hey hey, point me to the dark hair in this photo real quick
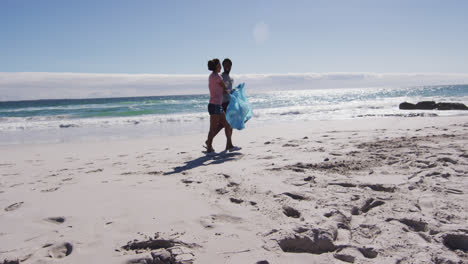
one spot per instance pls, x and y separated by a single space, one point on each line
212 64
228 61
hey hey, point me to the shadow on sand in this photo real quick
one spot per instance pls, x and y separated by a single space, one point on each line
217 158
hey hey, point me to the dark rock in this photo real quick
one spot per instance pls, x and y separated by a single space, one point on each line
451 106
431 105
407 106
426 105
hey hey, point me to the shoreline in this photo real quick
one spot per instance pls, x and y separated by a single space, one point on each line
375 190
71 133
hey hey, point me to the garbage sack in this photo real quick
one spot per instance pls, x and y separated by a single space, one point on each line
239 110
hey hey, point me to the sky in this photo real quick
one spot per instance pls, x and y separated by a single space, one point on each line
111 37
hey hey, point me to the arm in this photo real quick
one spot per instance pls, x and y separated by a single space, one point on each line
221 82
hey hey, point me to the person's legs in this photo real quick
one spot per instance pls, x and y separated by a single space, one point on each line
220 124
228 128
227 131
218 128
214 121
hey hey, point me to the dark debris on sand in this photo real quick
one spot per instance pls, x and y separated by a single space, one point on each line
162 251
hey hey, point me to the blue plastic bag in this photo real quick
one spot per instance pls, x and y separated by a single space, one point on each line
239 110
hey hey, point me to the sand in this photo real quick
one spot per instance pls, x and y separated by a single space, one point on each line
389 190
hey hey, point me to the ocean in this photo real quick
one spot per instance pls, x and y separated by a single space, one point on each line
94 119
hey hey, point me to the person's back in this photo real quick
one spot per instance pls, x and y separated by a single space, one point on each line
216 90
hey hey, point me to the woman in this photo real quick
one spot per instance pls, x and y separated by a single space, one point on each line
215 108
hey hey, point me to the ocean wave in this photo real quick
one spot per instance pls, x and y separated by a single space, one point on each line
400 115
291 113
44 123
67 125
267 107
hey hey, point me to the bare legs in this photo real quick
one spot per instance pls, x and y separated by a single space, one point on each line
214 120
219 128
227 130
217 122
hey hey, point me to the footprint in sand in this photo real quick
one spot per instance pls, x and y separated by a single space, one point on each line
379 187
94 171
209 221
306 240
296 196
56 220
456 241
368 252
453 191
368 205
233 184
6 261
290 145
371 203
13 207
51 189
236 201
187 181
61 250
340 219
367 232
291 212
413 224
221 191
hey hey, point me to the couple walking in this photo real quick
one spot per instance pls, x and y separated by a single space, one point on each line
220 89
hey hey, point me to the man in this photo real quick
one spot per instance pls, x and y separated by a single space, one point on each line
228 82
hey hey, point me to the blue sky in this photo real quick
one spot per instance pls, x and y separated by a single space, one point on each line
178 37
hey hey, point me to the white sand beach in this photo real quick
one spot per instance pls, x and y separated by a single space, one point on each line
387 190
